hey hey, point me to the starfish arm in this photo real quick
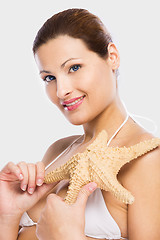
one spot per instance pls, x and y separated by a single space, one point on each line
121 156
80 177
75 186
118 190
106 179
62 172
56 175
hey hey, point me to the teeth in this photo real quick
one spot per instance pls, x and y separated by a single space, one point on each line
70 104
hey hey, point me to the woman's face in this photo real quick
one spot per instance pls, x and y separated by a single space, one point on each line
73 73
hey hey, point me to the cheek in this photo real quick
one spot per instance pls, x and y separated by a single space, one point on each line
88 81
51 93
97 80
104 86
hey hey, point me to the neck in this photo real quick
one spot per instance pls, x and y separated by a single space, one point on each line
110 120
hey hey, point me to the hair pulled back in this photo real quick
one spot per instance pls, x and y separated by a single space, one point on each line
76 23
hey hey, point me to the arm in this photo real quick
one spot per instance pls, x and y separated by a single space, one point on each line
144 182
9 227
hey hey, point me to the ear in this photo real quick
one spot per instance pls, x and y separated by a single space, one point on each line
113 56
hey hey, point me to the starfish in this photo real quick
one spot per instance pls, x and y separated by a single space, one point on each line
100 164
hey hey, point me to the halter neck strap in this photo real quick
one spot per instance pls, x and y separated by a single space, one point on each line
118 129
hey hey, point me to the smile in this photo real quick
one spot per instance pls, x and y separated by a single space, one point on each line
70 104
74 105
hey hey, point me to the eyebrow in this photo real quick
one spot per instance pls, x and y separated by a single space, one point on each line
63 64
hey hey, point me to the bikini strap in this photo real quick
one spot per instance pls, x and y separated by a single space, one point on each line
134 116
62 152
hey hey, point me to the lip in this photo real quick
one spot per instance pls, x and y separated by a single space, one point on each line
75 106
71 100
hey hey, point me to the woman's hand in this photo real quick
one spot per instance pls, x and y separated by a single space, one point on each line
21 186
62 221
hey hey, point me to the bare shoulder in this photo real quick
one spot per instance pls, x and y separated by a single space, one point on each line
146 164
57 148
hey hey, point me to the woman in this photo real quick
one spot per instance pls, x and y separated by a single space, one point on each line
78 63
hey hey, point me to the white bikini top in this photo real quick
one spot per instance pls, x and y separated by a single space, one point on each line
98 221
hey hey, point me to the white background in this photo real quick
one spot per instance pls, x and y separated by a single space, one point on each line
29 122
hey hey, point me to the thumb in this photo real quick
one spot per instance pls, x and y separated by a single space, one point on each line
84 193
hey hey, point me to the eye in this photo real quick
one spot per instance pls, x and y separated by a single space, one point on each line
49 78
74 68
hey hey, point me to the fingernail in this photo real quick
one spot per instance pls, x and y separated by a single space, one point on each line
20 176
39 182
24 187
31 190
92 186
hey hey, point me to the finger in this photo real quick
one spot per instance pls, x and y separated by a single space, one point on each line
53 201
45 189
52 198
31 177
24 170
40 172
14 169
84 193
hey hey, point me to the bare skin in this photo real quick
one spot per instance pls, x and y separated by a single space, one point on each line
118 210
102 108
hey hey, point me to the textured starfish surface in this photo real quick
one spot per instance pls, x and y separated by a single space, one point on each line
101 164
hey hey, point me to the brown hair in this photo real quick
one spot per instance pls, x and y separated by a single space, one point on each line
76 23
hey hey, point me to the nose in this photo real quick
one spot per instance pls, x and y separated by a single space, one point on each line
64 87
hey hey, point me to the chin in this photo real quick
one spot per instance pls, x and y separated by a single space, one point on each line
77 122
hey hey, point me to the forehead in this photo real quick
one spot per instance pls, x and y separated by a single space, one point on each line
63 45
61 48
